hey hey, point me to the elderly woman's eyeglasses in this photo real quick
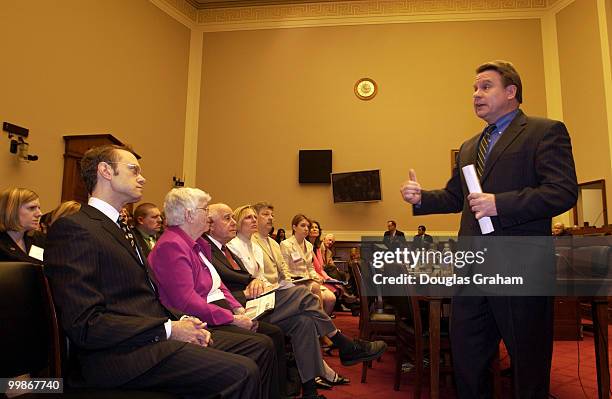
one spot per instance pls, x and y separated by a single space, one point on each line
205 209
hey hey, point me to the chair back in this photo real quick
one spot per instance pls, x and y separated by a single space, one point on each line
364 303
28 327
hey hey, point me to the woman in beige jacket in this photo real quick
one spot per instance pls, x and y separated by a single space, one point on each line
298 254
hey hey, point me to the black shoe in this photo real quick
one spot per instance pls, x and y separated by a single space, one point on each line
313 397
362 351
338 380
322 383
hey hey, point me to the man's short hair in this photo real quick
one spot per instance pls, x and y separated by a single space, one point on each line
392 222
10 201
95 155
260 206
421 227
508 73
142 210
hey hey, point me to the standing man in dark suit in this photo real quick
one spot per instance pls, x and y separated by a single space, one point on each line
109 305
393 237
527 174
422 239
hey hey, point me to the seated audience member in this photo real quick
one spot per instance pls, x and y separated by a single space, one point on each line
66 208
422 239
394 238
20 214
298 254
189 283
276 269
241 245
558 230
329 292
147 224
327 252
296 310
109 307
327 256
252 258
44 223
280 235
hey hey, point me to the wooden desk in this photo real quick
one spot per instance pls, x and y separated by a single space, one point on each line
599 306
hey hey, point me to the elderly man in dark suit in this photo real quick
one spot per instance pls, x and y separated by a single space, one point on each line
526 169
109 305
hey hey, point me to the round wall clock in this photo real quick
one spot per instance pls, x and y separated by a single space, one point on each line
366 89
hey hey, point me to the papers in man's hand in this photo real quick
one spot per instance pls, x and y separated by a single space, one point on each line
473 184
259 307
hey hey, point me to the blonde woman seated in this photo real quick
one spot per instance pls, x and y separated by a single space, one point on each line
19 221
298 254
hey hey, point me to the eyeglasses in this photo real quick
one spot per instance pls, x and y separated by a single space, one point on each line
136 170
205 209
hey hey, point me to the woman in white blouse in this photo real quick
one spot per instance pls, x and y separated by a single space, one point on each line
250 255
298 254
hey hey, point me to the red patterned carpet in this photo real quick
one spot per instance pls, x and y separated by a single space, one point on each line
565 379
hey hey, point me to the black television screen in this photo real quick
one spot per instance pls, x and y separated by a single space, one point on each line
356 186
315 166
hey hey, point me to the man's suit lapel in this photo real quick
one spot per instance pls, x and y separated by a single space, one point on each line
220 257
112 228
515 128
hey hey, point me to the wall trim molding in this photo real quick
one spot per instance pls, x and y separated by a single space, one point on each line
180 10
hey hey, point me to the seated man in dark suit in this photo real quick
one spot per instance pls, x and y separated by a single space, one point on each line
296 311
393 237
147 224
109 305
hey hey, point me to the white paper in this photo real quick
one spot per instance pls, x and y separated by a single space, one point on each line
256 307
473 184
36 252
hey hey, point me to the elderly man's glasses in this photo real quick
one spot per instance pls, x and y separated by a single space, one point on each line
136 170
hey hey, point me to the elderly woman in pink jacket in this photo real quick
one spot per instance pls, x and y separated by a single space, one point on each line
188 281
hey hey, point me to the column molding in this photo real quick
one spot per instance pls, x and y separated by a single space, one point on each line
192 112
552 74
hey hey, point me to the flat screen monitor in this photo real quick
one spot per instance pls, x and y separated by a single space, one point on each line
363 186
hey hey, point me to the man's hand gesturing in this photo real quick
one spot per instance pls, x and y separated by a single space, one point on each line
411 189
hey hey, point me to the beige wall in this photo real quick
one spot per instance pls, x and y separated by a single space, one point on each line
268 93
86 66
584 106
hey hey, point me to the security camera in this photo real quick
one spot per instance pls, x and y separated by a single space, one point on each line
18 146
